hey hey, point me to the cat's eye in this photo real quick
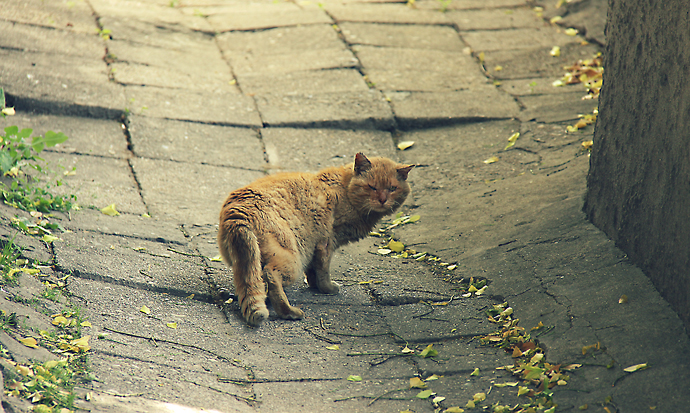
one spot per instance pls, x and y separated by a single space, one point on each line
372 187
393 188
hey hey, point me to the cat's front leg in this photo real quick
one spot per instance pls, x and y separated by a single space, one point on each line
318 273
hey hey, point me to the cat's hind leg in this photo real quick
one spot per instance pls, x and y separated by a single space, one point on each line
282 267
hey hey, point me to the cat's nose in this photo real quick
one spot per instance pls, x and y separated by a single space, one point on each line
383 196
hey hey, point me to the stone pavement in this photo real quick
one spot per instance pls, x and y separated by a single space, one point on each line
169 105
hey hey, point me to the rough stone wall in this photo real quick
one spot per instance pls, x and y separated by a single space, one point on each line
639 179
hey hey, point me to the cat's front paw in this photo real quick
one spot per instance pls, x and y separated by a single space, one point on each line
329 288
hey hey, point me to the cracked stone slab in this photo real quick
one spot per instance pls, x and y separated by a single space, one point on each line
469 4
496 19
87 136
157 14
97 181
536 86
361 110
181 141
422 37
188 192
26 37
125 225
414 109
462 357
32 248
259 16
311 150
398 13
201 67
135 263
404 69
292 62
353 397
192 105
308 82
423 323
515 39
155 34
281 40
443 167
71 85
76 16
562 107
521 64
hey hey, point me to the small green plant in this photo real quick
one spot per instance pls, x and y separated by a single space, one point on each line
8 259
18 149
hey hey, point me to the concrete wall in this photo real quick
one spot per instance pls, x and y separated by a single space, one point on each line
639 179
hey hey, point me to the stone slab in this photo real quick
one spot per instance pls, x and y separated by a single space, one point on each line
72 16
257 17
366 110
425 37
87 136
291 62
422 323
422 108
534 86
303 82
97 181
310 150
469 4
157 14
59 83
196 142
522 64
125 225
442 168
496 19
152 33
280 40
398 13
27 37
198 106
143 356
562 107
187 192
403 69
515 39
31 248
134 263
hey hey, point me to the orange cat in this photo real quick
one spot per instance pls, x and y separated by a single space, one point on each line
282 226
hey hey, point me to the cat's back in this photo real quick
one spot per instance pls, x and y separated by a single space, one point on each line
286 193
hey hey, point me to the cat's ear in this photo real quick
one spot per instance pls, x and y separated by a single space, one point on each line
402 172
362 164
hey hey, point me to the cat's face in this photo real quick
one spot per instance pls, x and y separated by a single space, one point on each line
379 185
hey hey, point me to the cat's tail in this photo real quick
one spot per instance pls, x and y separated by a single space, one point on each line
239 248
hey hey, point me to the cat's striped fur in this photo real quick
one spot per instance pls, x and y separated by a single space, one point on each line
282 226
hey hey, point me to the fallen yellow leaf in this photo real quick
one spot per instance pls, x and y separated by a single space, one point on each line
82 343
171 325
405 145
144 309
491 160
417 383
110 210
635 368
